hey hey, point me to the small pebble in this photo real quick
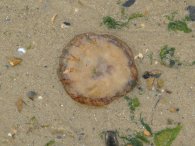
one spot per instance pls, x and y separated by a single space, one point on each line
7 18
21 51
156 62
76 10
128 3
9 134
40 97
31 95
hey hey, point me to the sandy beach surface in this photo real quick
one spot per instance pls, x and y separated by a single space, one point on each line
52 115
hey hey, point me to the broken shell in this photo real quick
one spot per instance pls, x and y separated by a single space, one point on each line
21 51
15 61
139 56
104 69
147 133
160 83
150 83
173 110
19 104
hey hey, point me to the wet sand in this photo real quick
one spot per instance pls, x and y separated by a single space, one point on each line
29 22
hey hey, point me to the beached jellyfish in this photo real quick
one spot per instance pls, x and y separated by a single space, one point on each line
97 69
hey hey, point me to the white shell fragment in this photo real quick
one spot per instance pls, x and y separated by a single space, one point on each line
21 51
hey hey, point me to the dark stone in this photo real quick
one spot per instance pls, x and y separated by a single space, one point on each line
66 23
31 94
128 3
146 75
191 10
111 138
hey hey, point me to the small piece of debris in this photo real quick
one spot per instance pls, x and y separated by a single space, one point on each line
173 109
33 124
31 95
168 91
15 61
19 104
21 51
53 18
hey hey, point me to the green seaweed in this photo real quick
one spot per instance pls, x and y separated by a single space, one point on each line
179 25
135 15
167 136
193 62
133 103
167 56
145 125
112 23
171 17
142 137
50 143
166 51
150 56
134 141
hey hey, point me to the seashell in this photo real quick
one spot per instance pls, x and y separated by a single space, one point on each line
97 69
15 61
21 51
